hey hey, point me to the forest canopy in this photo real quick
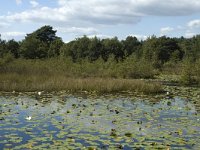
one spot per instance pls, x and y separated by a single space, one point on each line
44 43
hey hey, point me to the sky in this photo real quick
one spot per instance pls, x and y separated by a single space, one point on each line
101 18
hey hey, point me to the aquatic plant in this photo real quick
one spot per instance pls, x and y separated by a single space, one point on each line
28 118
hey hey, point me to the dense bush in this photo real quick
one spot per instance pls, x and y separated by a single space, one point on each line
197 71
191 72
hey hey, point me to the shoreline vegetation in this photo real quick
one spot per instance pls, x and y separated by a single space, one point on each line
57 75
91 85
43 62
54 75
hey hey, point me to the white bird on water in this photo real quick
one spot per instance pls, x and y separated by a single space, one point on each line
28 118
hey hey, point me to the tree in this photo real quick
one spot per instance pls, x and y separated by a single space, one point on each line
195 51
38 43
166 47
54 49
131 45
45 34
149 50
160 50
94 48
13 48
3 48
32 48
78 49
112 46
66 50
82 47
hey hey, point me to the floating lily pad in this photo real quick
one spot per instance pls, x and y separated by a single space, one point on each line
95 122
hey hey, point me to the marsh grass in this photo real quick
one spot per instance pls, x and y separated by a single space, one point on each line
63 74
23 83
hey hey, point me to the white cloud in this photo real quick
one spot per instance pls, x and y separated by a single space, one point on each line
39 15
2 24
180 27
194 24
18 2
101 36
76 12
192 28
189 34
140 37
166 30
34 3
11 35
78 30
88 17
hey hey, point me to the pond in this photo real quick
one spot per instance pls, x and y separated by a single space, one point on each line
65 121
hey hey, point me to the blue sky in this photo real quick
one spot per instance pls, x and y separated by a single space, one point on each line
101 18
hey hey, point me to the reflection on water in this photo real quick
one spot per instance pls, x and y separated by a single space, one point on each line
103 122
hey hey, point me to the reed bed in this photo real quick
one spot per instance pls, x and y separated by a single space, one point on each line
62 74
29 83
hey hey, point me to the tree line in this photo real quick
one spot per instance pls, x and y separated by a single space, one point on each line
44 43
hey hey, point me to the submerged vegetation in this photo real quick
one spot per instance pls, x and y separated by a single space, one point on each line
42 61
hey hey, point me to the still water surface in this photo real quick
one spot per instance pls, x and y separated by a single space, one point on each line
102 122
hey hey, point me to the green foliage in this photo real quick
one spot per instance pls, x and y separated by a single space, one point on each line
33 48
13 48
43 43
10 46
55 46
65 50
191 72
112 46
3 48
197 71
149 48
94 48
161 50
77 49
191 47
40 44
45 34
130 68
80 48
62 74
136 68
187 72
7 58
196 47
131 45
104 58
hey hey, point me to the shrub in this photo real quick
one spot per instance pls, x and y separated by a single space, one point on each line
187 77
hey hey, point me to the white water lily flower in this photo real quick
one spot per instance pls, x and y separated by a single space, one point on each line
28 118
